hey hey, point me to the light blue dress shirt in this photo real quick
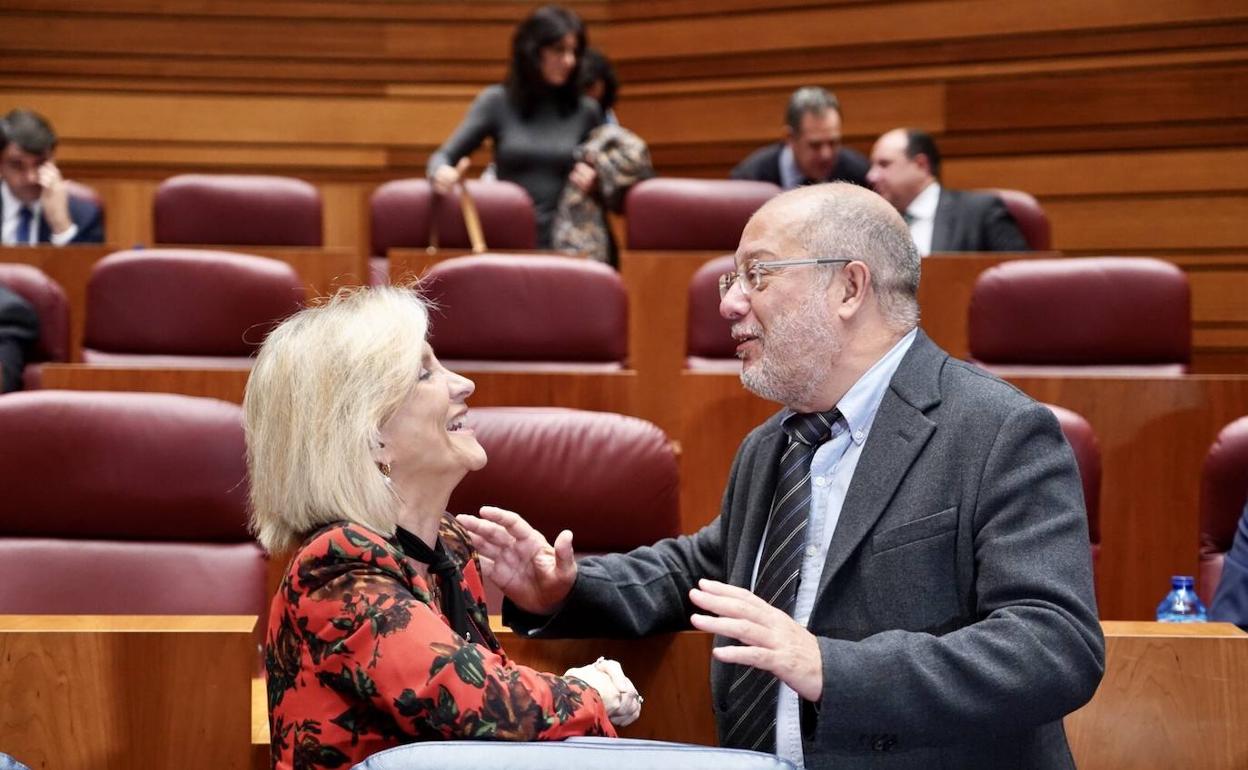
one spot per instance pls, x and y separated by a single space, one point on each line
831 470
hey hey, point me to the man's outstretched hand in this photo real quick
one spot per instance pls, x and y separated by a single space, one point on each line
532 573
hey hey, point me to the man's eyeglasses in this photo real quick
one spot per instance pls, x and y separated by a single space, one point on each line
754 276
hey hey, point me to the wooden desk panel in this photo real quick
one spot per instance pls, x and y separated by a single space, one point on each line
92 692
1153 434
1173 696
225 384
322 271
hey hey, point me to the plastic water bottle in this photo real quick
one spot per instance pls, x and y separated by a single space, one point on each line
1181 605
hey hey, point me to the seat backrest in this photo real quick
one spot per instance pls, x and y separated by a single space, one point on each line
125 503
1087 451
1030 216
708 334
401 211
1096 311
517 307
50 304
1223 492
581 753
611 479
691 214
237 210
186 302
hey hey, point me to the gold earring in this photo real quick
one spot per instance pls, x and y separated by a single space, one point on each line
384 468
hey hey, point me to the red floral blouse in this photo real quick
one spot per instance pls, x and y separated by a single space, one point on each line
359 658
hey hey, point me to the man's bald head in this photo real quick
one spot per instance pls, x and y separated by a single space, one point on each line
847 221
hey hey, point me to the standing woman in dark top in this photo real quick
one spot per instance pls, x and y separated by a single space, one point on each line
536 118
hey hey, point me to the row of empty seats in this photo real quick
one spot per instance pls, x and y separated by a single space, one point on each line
663 213
203 308
610 478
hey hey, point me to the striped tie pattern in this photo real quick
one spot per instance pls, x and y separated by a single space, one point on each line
750 720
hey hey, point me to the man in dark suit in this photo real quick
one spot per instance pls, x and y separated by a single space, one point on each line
924 555
811 150
905 170
19 327
35 204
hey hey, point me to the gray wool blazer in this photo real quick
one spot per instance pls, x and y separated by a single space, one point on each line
955 614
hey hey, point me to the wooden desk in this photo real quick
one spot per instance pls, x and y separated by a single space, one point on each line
1173 696
99 692
322 270
1153 433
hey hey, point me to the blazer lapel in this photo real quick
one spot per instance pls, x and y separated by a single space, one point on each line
945 224
899 432
757 508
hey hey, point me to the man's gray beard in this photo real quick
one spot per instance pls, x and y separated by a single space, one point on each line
798 356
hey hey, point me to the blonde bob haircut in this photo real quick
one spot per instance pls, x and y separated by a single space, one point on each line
324 382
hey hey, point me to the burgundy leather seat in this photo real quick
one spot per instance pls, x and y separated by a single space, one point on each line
708 344
52 307
1223 492
611 479
1094 315
402 211
1031 219
125 503
182 307
1087 451
532 311
691 214
237 210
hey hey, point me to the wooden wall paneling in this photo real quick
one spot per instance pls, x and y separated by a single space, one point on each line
225 384
92 692
1187 222
1154 434
658 296
1172 697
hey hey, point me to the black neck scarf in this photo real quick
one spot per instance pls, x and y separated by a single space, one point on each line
454 603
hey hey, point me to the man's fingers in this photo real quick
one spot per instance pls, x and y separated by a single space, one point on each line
564 554
744 631
754 657
486 535
748 607
513 522
463 165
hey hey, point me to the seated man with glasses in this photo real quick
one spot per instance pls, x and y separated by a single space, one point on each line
901 561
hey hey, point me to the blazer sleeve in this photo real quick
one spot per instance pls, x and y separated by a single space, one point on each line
90 221
377 640
1230 601
1035 651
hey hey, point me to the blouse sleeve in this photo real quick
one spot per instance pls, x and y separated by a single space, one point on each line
480 122
375 640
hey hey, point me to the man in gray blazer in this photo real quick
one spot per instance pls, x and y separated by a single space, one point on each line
905 170
935 606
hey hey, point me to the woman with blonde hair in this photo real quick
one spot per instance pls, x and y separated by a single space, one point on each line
378 635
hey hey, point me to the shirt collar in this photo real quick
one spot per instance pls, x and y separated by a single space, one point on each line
790 175
861 402
924 204
11 204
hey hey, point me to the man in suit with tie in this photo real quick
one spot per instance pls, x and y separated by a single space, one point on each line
811 150
900 573
905 170
35 204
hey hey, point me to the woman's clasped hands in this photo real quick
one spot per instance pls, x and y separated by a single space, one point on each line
619 695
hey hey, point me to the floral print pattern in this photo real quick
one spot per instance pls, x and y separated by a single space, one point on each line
359 657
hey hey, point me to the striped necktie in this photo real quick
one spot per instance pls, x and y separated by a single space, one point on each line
751 716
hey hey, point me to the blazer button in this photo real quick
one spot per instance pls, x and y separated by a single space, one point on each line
884 743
